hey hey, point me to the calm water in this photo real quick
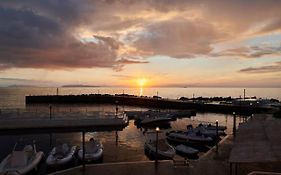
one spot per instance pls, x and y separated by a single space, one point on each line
129 146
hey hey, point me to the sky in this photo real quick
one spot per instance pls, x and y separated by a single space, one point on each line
151 43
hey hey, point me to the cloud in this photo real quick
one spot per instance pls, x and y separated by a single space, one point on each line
276 67
52 34
250 52
178 38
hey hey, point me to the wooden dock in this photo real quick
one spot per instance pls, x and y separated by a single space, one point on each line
31 126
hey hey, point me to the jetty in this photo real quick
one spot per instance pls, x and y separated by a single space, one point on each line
151 102
31 126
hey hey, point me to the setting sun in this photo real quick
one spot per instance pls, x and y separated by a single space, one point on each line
141 82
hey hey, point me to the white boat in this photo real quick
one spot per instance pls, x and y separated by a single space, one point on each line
93 151
189 138
61 155
21 162
164 151
186 150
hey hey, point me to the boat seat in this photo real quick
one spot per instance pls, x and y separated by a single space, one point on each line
180 161
18 159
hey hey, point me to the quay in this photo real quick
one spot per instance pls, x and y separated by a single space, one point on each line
257 146
152 102
14 127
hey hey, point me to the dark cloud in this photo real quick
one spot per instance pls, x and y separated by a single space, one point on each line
28 40
263 69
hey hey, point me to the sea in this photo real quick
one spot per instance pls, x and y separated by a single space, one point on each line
129 145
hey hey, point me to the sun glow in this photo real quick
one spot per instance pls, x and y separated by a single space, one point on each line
141 82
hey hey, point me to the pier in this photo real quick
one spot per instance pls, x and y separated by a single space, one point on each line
14 127
152 102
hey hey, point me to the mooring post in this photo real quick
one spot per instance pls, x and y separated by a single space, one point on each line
234 124
83 140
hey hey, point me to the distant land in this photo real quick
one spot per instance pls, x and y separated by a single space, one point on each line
79 85
21 85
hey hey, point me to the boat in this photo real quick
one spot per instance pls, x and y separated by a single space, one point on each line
164 150
212 127
155 121
93 151
208 132
61 155
186 150
21 162
188 138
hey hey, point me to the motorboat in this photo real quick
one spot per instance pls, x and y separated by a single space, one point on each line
155 121
186 150
188 138
164 150
212 127
21 162
61 155
209 133
93 151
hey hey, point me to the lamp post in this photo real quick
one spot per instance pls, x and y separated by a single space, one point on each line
116 108
156 145
234 124
217 135
50 112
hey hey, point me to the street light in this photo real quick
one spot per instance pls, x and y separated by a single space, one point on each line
217 135
156 145
234 124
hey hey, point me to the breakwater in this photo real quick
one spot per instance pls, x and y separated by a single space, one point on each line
151 102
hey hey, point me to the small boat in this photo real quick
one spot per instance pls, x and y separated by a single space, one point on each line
21 162
61 155
189 138
212 127
93 151
209 133
186 150
155 121
164 150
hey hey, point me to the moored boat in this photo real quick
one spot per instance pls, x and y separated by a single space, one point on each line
61 155
164 150
93 151
21 162
186 150
188 138
156 121
212 127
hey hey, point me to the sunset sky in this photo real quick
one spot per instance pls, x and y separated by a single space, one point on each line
171 43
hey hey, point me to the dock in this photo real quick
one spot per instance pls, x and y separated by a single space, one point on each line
257 146
150 102
13 127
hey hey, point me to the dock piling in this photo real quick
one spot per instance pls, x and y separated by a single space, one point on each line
234 124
